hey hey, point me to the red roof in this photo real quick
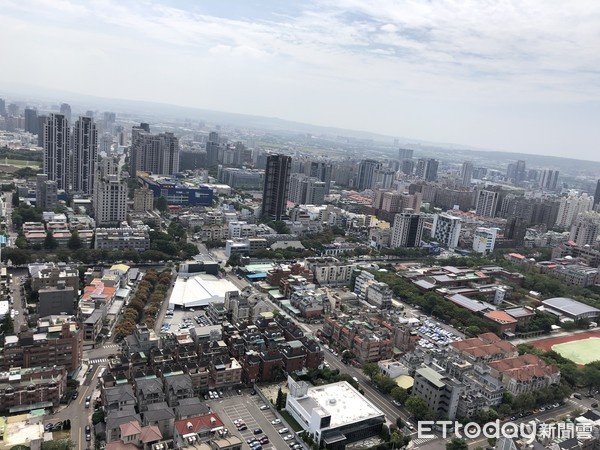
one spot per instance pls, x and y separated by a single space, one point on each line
196 424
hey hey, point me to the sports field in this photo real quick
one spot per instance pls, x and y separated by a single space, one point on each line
580 352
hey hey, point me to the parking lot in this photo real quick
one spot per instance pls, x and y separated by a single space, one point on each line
184 319
247 408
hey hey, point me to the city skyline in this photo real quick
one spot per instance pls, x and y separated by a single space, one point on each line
500 76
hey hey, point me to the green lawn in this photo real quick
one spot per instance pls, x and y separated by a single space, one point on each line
21 163
581 352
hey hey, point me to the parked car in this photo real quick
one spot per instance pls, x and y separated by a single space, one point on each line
258 431
276 422
264 440
88 400
283 430
263 407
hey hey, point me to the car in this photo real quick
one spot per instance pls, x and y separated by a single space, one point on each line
257 431
239 392
263 407
253 393
396 403
410 426
287 438
594 405
58 424
242 427
88 400
256 446
251 440
276 422
264 440
205 396
283 430
75 395
48 427
296 446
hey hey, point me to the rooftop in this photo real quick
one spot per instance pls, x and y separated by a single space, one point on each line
569 306
200 290
344 403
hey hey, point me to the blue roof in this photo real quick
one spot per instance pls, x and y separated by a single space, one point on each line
256 275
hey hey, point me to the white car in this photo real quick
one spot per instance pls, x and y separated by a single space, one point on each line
263 407
287 438
283 430
276 421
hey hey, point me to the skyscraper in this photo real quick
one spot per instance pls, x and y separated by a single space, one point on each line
549 179
366 169
56 150
110 195
2 107
65 110
516 171
405 153
446 229
85 154
277 181
322 171
486 203
466 173
305 190
31 124
427 169
585 229
407 230
155 153
597 194
212 150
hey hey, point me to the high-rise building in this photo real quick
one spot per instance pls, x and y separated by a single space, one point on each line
516 172
212 150
486 203
366 170
549 179
65 110
45 193
306 190
155 153
2 107
570 207
383 178
143 200
13 110
110 195
40 127
407 166
427 169
466 173
405 153
597 195
31 124
276 188
484 240
446 229
322 171
407 230
56 150
85 154
585 229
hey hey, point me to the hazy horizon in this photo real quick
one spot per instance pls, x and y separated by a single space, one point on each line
512 77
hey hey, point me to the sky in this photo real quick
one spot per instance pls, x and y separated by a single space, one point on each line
521 76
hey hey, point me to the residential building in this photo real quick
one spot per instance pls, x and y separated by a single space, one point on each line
549 179
143 200
405 153
322 171
85 155
137 239
154 153
441 392
427 169
446 230
366 172
577 275
56 144
276 187
26 389
148 391
525 374
586 229
51 275
329 271
407 230
596 196
466 173
46 194
484 240
56 300
570 207
31 123
177 386
110 195
56 341
486 203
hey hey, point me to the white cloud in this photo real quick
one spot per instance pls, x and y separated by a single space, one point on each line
374 57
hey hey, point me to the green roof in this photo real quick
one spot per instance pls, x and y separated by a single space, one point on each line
432 376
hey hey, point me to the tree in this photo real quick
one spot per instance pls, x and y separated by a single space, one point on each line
16 201
279 400
74 241
399 394
7 325
161 204
418 408
385 433
21 241
50 243
234 260
457 444
370 370
98 417
399 423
